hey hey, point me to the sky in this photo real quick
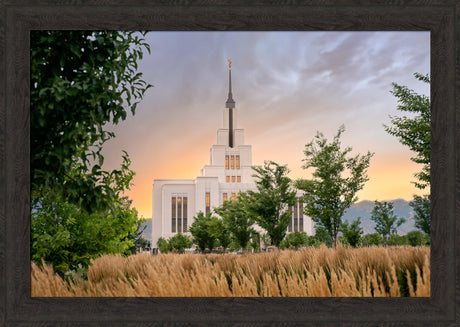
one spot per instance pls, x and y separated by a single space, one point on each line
287 86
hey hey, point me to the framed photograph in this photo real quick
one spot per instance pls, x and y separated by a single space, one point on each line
285 57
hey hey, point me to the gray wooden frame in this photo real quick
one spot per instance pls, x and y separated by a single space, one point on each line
18 18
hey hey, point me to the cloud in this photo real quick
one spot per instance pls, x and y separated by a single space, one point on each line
287 85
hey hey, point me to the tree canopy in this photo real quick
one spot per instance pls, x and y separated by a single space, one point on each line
336 180
270 204
352 232
237 221
422 212
414 132
386 222
80 82
204 231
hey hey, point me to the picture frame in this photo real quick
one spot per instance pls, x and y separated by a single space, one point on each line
18 308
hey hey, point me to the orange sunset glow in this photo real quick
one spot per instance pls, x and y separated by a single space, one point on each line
287 86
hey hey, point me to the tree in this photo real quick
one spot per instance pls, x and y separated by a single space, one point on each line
201 229
372 239
68 237
386 222
180 242
137 237
269 205
417 238
352 233
336 180
295 240
163 245
237 221
396 239
80 82
322 235
414 132
220 231
422 213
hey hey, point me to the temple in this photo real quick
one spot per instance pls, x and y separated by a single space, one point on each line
176 201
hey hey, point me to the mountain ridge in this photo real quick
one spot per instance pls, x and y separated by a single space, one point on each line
363 209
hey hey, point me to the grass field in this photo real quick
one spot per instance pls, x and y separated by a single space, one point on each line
309 272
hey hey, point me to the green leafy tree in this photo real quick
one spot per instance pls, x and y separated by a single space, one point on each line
237 221
414 132
269 205
352 233
322 235
386 222
68 237
163 245
255 241
396 239
417 238
204 235
220 231
336 180
80 82
294 240
372 239
422 213
179 243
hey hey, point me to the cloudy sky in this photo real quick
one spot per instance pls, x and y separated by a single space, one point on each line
287 86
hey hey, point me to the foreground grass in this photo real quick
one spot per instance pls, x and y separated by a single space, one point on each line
309 272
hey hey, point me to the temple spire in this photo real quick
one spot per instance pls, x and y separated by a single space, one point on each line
230 102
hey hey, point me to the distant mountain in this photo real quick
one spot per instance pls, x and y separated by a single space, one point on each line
147 233
363 209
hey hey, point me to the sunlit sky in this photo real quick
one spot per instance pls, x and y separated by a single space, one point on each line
287 86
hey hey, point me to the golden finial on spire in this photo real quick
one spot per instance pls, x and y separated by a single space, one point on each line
229 64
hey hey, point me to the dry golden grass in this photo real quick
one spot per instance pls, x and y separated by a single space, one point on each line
309 272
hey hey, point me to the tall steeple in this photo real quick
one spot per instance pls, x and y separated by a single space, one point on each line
230 104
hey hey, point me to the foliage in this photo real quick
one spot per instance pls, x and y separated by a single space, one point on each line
269 205
396 239
80 82
417 238
352 233
372 239
386 221
179 243
68 237
255 241
237 221
163 245
265 239
312 240
336 180
137 237
294 240
422 212
220 231
414 132
322 235
203 231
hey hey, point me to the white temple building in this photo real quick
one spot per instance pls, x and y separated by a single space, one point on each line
176 201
